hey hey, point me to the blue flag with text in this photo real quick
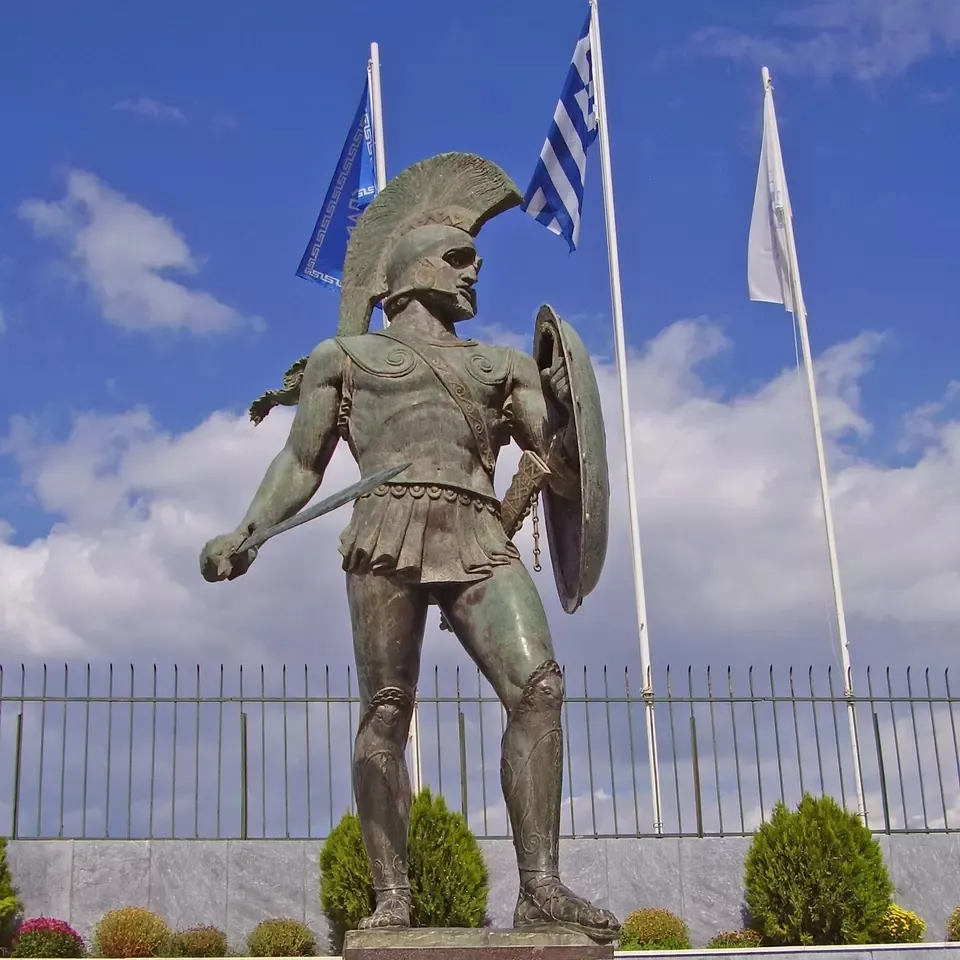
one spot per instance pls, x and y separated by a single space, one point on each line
353 186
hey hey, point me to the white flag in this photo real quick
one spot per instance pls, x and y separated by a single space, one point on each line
768 268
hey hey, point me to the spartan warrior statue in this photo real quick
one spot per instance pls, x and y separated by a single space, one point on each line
418 397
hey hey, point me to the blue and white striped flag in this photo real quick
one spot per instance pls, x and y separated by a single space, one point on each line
555 195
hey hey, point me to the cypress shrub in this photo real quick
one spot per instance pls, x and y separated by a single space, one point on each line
10 906
816 876
449 882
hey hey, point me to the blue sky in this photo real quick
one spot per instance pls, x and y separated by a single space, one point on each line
266 98
220 125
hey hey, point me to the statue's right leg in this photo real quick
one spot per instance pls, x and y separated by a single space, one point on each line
388 620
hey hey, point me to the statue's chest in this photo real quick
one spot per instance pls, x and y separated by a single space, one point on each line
386 374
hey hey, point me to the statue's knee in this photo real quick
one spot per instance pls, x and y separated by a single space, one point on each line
544 689
387 716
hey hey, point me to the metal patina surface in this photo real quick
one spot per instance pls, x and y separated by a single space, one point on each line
417 393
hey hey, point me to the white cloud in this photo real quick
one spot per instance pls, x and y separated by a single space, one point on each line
866 39
122 251
731 528
148 107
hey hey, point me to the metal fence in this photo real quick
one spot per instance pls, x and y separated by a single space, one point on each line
217 752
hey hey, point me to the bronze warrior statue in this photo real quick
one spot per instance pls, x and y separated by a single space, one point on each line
436 534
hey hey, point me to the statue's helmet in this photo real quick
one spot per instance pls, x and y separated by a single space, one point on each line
417 238
437 263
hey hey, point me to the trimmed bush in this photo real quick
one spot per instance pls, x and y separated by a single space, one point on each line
449 882
10 906
448 876
953 926
816 876
735 940
346 886
653 928
47 937
900 926
281 938
199 941
131 932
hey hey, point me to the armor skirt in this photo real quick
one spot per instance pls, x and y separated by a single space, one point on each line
426 534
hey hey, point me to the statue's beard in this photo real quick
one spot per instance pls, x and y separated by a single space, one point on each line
451 306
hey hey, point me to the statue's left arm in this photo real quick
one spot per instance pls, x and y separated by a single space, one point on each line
538 406
540 416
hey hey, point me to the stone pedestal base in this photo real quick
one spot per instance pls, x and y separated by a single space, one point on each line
530 943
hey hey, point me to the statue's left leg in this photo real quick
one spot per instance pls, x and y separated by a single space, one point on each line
502 625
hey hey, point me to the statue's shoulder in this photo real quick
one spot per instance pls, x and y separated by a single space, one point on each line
376 355
490 363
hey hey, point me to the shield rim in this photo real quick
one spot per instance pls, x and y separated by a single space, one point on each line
592 532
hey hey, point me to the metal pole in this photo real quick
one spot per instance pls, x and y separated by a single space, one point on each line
800 312
613 258
376 120
17 764
380 171
244 811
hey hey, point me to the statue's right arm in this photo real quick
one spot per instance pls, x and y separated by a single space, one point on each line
297 470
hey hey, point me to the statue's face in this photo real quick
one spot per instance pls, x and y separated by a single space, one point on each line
439 264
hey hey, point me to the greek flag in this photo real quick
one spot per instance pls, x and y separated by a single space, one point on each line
555 195
353 186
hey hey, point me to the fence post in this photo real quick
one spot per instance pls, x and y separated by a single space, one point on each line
695 758
17 762
243 776
883 774
463 762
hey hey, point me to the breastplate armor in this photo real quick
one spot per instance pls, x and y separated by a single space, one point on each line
398 410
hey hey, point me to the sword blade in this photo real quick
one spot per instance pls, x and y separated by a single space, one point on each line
358 489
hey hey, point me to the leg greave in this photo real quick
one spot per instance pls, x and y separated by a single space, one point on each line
531 772
382 787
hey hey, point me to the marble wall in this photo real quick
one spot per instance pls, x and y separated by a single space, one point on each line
236 883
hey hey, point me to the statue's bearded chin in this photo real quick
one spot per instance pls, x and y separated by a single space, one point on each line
451 306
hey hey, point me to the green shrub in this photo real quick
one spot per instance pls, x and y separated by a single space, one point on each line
448 876
281 938
346 887
653 928
47 937
953 926
10 906
816 876
900 926
131 932
735 940
199 941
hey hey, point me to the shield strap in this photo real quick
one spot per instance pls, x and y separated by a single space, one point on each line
459 393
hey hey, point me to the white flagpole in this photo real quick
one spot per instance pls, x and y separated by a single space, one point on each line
785 215
380 165
376 108
613 258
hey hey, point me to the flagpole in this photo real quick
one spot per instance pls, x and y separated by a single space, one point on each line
800 312
376 108
613 258
380 172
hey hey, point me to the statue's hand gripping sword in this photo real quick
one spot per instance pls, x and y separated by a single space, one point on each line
362 487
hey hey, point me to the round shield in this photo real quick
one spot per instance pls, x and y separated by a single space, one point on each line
577 525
